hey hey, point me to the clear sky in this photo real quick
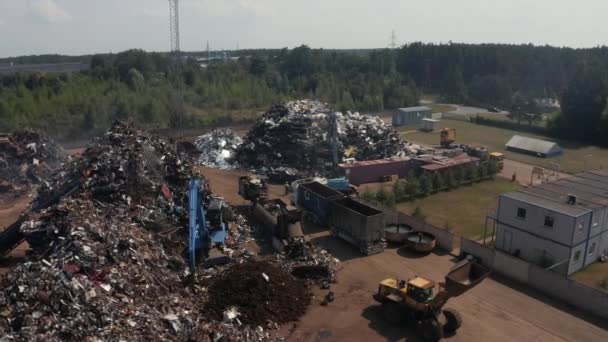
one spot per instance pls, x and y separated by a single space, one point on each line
90 26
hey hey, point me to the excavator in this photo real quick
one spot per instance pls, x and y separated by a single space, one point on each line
420 301
206 223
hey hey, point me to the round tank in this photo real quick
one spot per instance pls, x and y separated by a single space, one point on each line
422 242
396 233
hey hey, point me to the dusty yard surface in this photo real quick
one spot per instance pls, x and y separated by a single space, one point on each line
225 184
523 173
493 311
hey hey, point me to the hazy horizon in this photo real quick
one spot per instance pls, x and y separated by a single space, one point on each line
70 27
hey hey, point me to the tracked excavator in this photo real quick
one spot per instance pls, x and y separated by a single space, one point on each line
420 301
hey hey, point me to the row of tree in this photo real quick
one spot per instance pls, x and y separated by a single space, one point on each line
160 90
413 186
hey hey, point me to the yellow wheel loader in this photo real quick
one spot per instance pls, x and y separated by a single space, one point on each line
420 301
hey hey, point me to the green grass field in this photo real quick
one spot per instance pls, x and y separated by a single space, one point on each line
463 209
595 275
576 157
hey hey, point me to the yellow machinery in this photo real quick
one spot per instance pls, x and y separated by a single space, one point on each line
447 137
420 301
499 158
350 152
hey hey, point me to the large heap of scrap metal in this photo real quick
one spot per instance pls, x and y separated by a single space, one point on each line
27 158
217 148
98 268
296 136
107 260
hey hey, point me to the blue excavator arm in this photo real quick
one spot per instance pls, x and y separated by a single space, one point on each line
206 224
199 238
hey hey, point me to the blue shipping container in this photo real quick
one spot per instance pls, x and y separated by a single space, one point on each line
315 198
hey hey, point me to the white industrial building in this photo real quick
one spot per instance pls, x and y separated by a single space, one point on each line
562 225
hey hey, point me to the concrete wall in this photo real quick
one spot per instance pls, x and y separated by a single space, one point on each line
444 238
548 282
485 254
561 232
511 267
576 294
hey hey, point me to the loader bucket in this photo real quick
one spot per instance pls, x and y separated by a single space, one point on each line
465 276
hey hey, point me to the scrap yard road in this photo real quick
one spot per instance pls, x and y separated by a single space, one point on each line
496 310
493 311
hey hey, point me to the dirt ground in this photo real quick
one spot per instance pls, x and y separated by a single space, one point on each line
493 311
496 310
225 184
523 173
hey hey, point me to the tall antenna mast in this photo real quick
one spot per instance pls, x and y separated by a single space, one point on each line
393 40
174 24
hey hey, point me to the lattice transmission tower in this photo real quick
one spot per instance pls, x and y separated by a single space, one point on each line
174 24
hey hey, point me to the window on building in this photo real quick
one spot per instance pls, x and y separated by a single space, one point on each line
592 248
577 256
521 213
580 227
549 221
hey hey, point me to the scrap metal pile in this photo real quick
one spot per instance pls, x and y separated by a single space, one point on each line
295 135
27 158
108 260
292 139
217 148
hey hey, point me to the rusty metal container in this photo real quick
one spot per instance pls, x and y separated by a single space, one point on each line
372 171
421 242
396 233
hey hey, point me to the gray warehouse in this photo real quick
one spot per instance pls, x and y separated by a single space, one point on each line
532 146
561 224
411 115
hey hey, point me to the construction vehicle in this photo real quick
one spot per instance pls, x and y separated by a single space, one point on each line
447 137
206 224
252 188
420 301
499 158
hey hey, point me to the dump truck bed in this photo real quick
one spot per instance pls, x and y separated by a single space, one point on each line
358 223
464 276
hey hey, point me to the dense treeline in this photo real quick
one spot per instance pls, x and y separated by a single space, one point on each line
158 90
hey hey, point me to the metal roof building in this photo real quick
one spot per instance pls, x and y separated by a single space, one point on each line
411 115
562 223
536 147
